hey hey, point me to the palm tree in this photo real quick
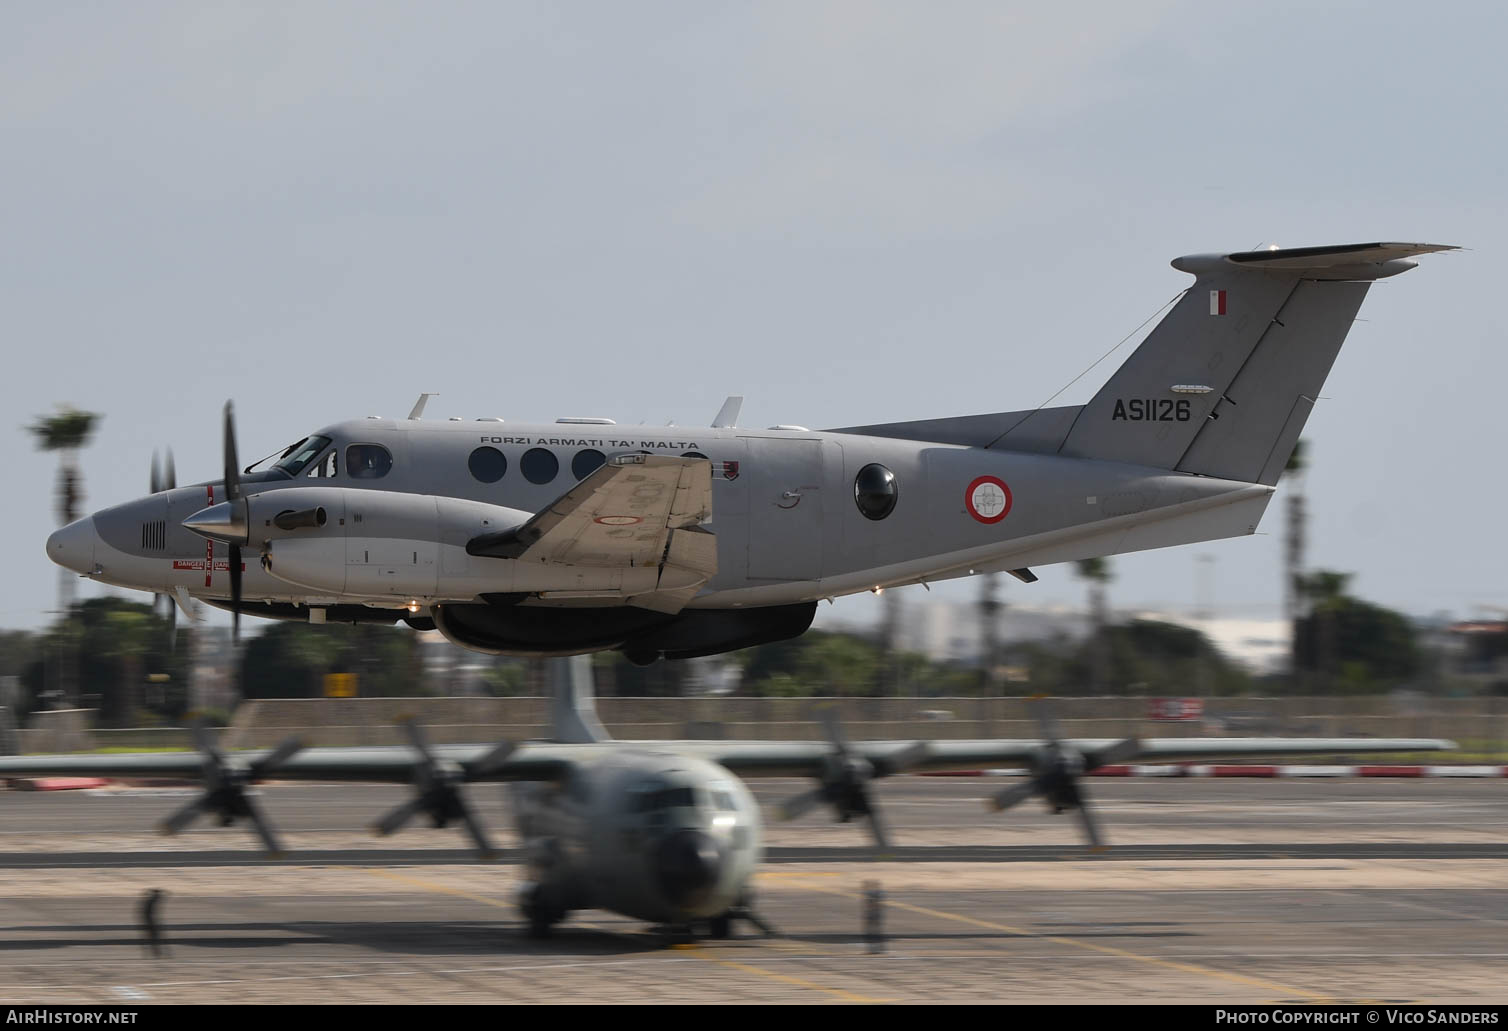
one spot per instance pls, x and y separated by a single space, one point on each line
1097 572
66 433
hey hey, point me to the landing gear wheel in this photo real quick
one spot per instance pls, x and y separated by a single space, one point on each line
542 916
720 926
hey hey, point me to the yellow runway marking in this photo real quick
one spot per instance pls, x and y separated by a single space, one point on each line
695 950
419 882
700 953
1109 950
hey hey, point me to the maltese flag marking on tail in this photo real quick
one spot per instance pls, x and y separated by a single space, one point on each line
1217 302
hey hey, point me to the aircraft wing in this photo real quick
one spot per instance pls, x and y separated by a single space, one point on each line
636 511
549 761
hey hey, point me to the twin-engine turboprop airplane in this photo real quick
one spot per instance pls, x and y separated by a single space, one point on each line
664 831
676 542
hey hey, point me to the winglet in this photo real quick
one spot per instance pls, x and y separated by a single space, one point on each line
727 415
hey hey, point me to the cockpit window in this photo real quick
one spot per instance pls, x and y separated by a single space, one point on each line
368 461
326 467
298 455
672 798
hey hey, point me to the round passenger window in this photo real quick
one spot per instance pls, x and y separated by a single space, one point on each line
539 465
692 454
586 462
368 461
874 491
487 464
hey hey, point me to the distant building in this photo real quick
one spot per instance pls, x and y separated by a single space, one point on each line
951 632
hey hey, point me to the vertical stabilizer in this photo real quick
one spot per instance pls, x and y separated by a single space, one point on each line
1222 386
573 702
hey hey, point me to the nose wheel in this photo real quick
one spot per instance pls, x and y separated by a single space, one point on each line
541 911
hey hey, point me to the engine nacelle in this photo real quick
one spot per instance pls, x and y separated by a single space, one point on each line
368 543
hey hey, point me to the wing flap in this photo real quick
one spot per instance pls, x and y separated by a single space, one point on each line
635 512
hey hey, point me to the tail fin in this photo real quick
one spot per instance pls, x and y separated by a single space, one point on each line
1224 383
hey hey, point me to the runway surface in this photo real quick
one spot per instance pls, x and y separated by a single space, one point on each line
1262 891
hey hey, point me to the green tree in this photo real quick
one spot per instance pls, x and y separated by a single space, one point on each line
290 660
1351 646
66 433
117 642
1096 572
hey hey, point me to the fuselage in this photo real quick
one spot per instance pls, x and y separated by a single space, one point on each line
656 836
797 516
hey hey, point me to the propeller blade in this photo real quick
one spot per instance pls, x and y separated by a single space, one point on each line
394 820
169 474
876 824
1091 831
1121 751
172 625
185 816
204 741
286 749
1042 709
235 592
492 761
478 835
232 466
417 738
263 829
154 481
835 731
1014 795
792 808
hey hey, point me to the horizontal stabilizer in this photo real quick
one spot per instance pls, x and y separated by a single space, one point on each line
1346 261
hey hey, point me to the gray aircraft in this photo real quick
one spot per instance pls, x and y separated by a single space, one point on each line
665 831
676 542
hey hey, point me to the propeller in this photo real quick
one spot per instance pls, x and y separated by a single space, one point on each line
1056 771
225 787
164 477
437 784
229 521
845 777
233 495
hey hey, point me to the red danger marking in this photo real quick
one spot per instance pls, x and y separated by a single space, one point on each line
988 499
618 520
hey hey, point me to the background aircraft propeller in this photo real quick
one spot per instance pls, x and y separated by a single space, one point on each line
844 781
438 789
225 787
1056 771
164 477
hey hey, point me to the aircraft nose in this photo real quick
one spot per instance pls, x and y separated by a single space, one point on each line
72 547
689 865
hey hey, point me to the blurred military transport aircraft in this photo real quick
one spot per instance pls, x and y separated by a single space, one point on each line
665 831
582 535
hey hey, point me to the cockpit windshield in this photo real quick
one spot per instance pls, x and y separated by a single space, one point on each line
292 460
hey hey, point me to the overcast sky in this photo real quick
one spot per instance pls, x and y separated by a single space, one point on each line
847 212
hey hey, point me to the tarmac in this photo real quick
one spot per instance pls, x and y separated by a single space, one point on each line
1213 891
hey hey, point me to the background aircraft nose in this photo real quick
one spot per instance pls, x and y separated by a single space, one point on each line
72 547
688 867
